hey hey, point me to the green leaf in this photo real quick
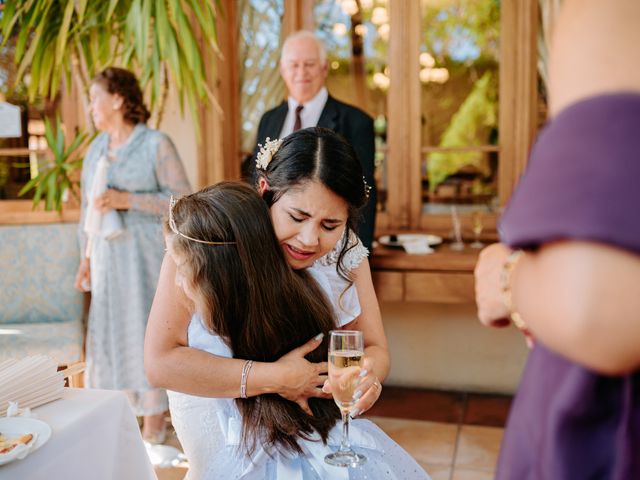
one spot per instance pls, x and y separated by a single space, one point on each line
64 31
9 19
188 42
59 147
28 186
35 45
52 192
144 27
77 142
38 193
46 85
112 6
43 181
49 135
81 7
163 28
156 87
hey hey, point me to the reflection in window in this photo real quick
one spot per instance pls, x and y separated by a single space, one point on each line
17 164
356 35
261 87
459 77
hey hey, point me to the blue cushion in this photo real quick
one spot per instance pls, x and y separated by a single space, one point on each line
38 265
60 341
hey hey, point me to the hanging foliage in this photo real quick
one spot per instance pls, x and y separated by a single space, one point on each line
76 39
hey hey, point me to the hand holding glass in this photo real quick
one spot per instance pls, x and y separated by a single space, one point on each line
346 358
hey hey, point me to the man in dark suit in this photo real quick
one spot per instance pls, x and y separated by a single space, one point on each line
304 69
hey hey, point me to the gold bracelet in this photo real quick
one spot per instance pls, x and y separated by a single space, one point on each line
505 281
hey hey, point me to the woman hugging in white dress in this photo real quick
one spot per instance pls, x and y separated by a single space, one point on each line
257 298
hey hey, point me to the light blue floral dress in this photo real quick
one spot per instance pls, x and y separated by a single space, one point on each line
125 269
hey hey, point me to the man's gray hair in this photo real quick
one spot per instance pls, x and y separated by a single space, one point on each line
322 50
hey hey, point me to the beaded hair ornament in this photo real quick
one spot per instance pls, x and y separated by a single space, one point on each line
269 149
367 187
174 228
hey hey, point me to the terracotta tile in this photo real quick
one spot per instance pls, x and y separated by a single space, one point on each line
173 473
430 443
469 474
415 404
478 448
487 410
437 472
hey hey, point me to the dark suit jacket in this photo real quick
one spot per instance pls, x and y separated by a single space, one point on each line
350 122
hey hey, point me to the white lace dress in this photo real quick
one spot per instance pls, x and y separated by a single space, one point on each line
209 428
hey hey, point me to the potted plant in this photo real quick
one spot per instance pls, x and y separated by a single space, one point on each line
57 178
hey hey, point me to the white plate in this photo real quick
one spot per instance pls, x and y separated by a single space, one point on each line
431 240
16 426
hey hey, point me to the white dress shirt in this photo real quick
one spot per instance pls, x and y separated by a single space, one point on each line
310 114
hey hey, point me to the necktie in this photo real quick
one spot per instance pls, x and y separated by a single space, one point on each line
298 123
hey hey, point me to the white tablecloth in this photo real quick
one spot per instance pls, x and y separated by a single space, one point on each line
94 436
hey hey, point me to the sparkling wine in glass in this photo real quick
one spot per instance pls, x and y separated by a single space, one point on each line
346 358
477 229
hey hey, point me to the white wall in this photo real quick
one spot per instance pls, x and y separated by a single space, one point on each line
180 129
445 347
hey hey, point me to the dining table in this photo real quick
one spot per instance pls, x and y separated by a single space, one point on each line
94 435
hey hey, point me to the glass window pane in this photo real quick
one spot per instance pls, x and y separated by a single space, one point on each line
16 167
261 87
356 34
459 70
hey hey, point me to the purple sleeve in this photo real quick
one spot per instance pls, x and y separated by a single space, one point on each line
583 178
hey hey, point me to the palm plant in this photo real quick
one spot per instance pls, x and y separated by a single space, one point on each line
75 39
164 40
56 178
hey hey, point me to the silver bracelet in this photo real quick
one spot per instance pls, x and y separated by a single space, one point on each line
243 381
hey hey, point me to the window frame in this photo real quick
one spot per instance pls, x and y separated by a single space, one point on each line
518 111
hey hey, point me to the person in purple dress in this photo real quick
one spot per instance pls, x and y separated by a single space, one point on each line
568 270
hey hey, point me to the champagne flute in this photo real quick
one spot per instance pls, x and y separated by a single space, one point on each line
477 229
458 244
346 359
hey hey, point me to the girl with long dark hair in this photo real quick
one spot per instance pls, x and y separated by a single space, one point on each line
254 306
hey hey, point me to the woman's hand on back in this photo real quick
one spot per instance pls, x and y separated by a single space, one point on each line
301 379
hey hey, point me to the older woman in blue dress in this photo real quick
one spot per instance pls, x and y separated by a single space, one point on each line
142 171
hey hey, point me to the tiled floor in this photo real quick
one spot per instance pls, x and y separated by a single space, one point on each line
453 435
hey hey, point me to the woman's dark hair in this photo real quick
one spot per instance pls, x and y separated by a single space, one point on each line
124 83
322 155
247 294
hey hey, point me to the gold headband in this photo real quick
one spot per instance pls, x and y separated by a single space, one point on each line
174 228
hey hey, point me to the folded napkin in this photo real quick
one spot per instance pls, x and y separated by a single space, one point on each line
109 224
417 247
28 383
